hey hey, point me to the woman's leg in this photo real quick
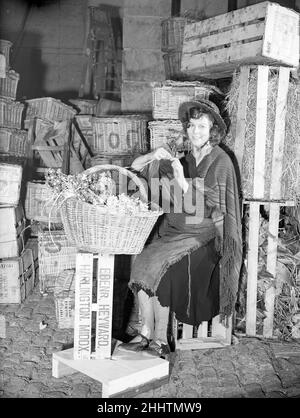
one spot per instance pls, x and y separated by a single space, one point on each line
147 313
161 319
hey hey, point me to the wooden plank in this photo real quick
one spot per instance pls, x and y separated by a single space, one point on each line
227 20
201 43
187 331
127 370
202 330
252 264
279 133
271 267
200 343
240 133
105 283
83 302
234 55
260 131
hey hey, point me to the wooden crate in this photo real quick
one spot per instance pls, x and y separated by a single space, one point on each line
9 85
14 142
259 132
252 265
212 334
264 33
55 255
39 203
122 134
11 114
64 296
50 109
32 244
12 226
17 278
10 184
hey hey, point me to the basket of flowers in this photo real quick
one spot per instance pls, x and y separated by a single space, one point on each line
98 212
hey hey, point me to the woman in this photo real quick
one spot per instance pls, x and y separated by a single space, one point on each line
191 268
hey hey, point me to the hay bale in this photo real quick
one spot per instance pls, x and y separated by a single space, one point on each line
289 180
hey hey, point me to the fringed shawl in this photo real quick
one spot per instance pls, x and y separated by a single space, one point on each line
221 195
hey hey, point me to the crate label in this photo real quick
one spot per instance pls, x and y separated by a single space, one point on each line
83 306
10 282
104 306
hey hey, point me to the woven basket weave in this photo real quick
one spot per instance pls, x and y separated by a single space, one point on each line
9 84
94 229
64 295
163 131
119 134
172 33
14 142
39 203
48 108
5 47
172 63
10 114
167 96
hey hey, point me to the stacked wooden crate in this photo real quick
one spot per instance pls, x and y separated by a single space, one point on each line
258 46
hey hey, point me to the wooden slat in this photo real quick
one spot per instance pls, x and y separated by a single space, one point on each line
279 133
252 264
260 132
271 267
233 55
239 140
187 331
221 38
105 283
83 304
202 330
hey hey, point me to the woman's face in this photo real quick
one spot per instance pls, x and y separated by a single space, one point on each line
198 130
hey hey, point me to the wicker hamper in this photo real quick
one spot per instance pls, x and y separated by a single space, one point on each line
14 142
122 134
55 255
48 108
172 33
39 203
64 296
5 47
9 85
94 229
11 114
165 131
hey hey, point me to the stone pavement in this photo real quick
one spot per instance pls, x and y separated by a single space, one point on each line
251 368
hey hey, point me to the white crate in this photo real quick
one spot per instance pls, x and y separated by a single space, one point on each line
12 226
10 184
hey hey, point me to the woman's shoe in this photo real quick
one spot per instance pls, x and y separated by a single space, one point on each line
159 350
136 346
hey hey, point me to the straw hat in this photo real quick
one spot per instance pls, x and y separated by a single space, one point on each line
207 106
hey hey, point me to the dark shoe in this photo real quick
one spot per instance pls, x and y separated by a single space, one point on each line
159 350
137 346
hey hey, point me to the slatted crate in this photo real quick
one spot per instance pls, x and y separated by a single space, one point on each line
264 33
11 114
39 203
48 108
14 142
10 184
121 134
17 278
9 85
264 136
55 255
12 227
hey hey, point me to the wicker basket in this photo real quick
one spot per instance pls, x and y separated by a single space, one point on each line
94 229
8 85
39 203
172 63
122 134
14 142
167 96
163 131
5 50
48 108
120 160
56 254
172 33
10 114
85 107
64 295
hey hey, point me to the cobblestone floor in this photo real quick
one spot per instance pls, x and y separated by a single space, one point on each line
252 368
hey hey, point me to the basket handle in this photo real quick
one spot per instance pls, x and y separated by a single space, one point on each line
121 170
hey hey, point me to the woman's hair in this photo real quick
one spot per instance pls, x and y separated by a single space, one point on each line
216 133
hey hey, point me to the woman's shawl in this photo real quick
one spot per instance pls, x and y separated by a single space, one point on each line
222 196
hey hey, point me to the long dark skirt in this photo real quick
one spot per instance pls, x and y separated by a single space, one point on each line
173 289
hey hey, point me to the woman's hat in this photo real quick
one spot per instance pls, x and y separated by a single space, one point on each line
207 106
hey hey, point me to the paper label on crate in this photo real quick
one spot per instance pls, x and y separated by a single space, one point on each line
10 282
83 306
105 280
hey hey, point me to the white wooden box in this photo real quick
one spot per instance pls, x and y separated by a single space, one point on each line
10 184
12 225
264 33
16 278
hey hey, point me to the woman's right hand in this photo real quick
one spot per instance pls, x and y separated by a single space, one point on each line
161 154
